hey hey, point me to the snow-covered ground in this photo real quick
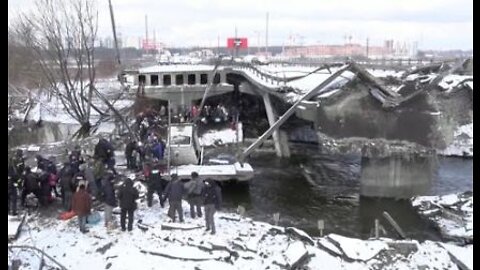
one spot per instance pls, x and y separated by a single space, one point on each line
452 214
462 144
240 243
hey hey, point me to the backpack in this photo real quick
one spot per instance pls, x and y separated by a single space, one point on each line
197 188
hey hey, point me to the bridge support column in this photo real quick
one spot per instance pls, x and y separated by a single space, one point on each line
277 140
283 138
396 176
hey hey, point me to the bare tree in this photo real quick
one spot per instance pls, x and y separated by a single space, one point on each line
60 36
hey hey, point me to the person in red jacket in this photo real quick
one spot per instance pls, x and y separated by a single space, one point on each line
81 205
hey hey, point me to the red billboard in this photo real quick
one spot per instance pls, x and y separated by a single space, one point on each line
149 44
241 43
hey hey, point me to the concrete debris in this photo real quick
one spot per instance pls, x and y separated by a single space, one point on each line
299 234
295 255
452 214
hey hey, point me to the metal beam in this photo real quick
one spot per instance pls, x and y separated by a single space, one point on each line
291 111
205 95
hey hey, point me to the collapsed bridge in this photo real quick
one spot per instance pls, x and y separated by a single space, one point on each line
341 101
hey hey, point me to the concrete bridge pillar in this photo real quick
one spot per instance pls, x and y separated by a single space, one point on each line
280 138
398 176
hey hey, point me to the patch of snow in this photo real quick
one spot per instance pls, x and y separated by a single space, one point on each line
430 256
470 84
13 225
328 245
456 221
357 249
380 73
221 137
463 254
295 252
453 80
462 144
176 68
184 253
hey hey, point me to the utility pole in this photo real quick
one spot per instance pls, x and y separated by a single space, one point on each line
154 41
258 40
235 44
146 32
218 45
114 32
266 38
367 47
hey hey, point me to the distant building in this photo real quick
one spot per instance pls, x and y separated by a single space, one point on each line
389 49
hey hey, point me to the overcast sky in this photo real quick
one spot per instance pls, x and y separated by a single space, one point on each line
434 24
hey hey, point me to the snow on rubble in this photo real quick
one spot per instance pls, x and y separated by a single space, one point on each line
462 144
452 81
240 243
452 214
221 137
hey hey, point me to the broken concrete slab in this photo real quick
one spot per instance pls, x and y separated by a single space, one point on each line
15 226
329 247
461 256
179 226
183 253
357 249
300 235
295 255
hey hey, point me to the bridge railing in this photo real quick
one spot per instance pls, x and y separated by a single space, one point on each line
265 76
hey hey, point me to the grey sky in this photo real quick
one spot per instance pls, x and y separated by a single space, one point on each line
435 24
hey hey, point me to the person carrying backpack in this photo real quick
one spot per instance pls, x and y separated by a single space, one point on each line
194 189
212 197
109 199
127 196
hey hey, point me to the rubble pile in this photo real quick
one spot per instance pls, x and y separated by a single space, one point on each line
240 243
452 214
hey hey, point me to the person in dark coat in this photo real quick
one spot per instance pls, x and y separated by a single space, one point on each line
45 190
129 149
98 173
194 189
19 162
110 161
76 155
12 190
101 150
30 185
155 183
66 186
75 158
127 196
82 205
42 163
109 199
174 192
212 196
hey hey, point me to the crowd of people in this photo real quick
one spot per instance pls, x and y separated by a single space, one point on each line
82 180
